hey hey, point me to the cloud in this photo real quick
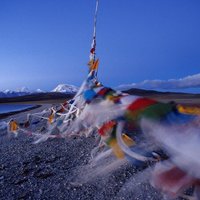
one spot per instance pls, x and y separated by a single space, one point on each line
192 81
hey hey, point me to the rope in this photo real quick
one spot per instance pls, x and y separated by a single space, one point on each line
93 45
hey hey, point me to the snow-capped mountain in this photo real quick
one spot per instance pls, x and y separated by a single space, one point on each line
18 92
12 93
39 91
23 90
65 88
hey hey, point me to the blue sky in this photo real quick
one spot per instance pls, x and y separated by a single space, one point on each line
47 42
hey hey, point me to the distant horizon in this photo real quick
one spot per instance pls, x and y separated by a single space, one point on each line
189 84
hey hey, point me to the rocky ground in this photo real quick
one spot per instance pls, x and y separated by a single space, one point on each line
57 169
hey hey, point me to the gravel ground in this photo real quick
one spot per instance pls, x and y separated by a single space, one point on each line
50 170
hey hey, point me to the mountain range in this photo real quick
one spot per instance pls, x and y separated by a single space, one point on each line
66 91
61 88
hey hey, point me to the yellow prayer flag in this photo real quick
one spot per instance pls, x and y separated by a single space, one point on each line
13 126
191 110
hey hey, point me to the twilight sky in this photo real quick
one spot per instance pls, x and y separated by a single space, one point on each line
46 42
